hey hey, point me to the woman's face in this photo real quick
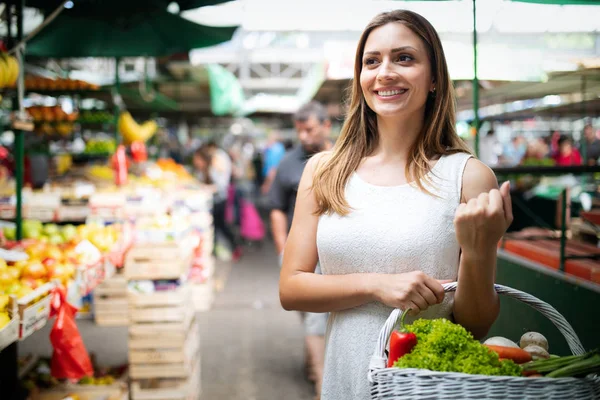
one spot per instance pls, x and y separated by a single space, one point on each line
396 72
199 163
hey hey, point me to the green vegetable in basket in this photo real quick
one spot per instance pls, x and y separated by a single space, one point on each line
569 366
448 347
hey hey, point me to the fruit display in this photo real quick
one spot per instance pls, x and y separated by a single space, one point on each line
4 300
96 117
59 84
132 131
168 165
100 173
9 70
40 379
54 254
100 146
51 114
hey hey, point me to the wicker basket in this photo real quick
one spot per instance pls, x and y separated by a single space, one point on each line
421 384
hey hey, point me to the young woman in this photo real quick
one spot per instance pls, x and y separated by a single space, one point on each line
395 210
214 168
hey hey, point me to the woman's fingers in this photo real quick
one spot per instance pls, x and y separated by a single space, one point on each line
436 288
420 301
507 202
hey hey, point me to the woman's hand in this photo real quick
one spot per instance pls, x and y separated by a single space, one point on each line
482 221
414 290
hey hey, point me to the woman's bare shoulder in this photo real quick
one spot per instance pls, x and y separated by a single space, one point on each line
319 160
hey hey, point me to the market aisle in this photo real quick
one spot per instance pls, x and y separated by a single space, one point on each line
251 348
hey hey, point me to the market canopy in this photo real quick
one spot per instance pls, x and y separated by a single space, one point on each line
109 6
155 33
563 2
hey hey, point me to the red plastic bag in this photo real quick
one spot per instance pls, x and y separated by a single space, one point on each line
70 359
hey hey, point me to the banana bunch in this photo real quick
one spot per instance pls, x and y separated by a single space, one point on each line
9 70
132 131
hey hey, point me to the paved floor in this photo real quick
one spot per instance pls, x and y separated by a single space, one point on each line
251 348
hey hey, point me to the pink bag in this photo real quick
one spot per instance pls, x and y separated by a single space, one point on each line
252 225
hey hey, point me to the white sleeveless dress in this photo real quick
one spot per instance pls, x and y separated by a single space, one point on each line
390 230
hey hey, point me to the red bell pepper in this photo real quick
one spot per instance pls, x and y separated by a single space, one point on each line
401 343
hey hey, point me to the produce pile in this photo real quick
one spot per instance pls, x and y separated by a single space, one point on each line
447 347
440 345
59 84
100 146
40 378
4 316
54 254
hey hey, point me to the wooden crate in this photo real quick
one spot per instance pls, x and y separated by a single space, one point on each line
111 305
10 332
169 389
167 311
167 260
164 364
167 352
34 316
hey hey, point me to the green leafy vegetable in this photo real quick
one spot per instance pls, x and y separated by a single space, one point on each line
448 347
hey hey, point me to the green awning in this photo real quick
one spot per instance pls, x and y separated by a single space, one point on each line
113 7
563 2
151 34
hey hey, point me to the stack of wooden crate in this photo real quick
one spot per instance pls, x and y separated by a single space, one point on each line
110 302
164 342
164 346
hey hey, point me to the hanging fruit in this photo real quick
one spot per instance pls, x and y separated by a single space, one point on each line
132 131
9 67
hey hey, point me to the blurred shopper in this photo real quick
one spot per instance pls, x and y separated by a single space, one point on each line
214 167
274 153
313 128
567 153
514 151
489 148
592 145
554 137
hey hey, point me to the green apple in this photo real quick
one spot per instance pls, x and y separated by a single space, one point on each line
51 229
32 229
10 232
68 232
55 238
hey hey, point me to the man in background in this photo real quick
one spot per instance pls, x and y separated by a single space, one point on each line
592 145
274 153
313 128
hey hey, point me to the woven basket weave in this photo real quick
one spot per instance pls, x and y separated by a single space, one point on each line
421 384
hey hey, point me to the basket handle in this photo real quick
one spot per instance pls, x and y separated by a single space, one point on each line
379 359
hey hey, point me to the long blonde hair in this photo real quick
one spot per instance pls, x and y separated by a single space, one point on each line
358 137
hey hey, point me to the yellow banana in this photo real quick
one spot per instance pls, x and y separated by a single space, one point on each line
148 129
128 127
132 131
4 72
13 66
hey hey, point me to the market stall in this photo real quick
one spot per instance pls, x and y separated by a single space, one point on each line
69 240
